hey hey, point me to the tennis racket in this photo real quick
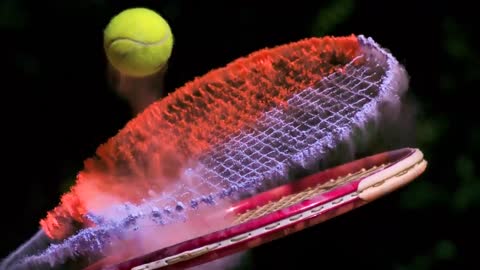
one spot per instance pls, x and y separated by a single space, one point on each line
287 209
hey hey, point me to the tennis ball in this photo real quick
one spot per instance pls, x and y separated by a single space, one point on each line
138 42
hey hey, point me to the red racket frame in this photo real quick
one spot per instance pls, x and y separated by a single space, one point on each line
394 170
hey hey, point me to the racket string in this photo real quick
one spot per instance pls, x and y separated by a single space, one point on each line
310 192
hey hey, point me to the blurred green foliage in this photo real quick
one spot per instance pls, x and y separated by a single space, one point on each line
330 16
443 251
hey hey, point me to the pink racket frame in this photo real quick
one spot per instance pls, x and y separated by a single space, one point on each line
395 169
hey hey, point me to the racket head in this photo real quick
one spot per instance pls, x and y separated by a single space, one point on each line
289 208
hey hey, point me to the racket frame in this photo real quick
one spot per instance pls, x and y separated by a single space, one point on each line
391 171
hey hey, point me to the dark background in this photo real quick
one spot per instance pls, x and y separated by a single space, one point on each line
58 107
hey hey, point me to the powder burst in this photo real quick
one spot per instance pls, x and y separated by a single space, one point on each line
232 132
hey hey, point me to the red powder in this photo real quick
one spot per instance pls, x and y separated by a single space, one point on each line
155 146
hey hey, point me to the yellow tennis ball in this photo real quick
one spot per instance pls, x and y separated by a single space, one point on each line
138 42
